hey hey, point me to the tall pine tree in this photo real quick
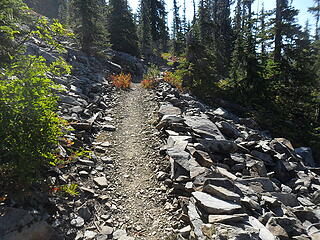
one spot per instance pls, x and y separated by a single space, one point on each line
315 10
177 36
153 32
122 29
89 25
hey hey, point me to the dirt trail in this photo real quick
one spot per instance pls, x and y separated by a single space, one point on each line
138 198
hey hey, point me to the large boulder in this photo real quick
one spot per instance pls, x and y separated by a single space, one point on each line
203 126
18 224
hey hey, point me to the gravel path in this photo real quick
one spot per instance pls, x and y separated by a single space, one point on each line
140 199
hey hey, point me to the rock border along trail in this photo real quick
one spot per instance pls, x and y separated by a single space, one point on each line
138 199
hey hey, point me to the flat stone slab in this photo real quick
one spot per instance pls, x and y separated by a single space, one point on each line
213 205
169 109
101 181
203 126
226 218
222 193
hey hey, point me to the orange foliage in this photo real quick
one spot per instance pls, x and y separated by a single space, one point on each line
149 83
121 80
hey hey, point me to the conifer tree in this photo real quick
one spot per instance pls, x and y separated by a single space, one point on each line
177 37
89 24
122 29
153 32
315 10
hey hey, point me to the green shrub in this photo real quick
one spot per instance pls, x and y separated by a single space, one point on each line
150 79
29 124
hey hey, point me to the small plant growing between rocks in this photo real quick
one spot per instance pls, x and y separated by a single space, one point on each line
174 79
68 189
150 79
122 80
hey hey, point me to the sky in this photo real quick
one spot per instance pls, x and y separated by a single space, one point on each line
301 5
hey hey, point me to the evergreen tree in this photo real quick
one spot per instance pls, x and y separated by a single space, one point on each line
178 37
122 29
245 67
264 34
315 10
223 35
153 32
88 23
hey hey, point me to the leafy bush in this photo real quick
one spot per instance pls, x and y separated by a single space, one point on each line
148 83
122 81
150 79
29 124
171 59
174 79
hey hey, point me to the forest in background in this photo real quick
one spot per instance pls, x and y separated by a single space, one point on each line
262 60
265 61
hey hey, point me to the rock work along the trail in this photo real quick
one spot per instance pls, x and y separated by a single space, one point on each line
139 200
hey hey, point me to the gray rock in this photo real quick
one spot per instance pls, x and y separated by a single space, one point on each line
203 158
178 142
169 109
69 100
306 154
287 199
85 213
225 173
220 146
19 224
106 230
82 126
180 157
167 120
101 181
229 130
225 114
257 168
161 176
119 233
224 183
213 205
83 173
77 222
110 128
221 193
259 185
195 169
266 158
264 233
227 218
86 162
90 234
249 122
285 227
196 221
185 232
203 126
238 232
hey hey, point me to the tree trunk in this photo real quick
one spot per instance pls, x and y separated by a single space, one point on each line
278 32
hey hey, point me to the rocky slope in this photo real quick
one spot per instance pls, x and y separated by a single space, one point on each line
230 179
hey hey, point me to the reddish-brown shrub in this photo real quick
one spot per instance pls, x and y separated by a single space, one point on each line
149 83
122 81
